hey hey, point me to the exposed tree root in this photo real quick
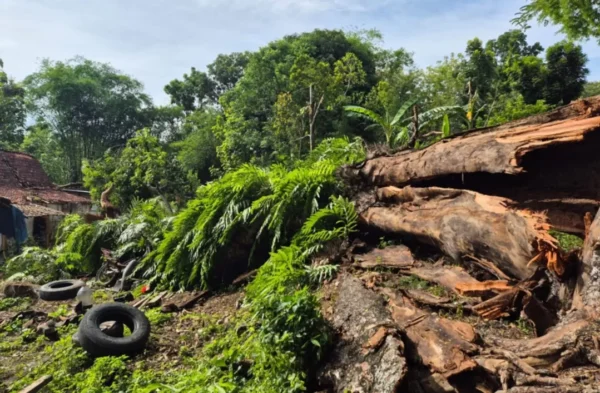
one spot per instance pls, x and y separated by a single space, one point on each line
464 223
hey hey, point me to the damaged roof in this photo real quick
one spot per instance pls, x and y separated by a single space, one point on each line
23 180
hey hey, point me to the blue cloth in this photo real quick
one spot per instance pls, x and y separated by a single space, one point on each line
19 225
7 226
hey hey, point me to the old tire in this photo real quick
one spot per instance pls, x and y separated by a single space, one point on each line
98 343
60 290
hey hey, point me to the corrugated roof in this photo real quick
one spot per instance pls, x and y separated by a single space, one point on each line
23 180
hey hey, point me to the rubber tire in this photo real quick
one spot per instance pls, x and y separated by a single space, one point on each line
97 343
56 290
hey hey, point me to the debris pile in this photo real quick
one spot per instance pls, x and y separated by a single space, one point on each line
474 214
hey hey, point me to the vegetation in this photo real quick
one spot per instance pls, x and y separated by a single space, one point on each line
577 19
239 173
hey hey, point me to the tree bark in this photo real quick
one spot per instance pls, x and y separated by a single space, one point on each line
547 162
464 224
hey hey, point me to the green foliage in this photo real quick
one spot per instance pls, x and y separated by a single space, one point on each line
142 170
514 108
61 311
321 273
566 72
577 19
234 221
566 241
41 143
196 91
74 371
591 89
90 106
157 318
197 152
269 113
41 265
14 303
12 111
281 336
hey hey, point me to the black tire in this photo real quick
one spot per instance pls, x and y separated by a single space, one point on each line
97 343
60 290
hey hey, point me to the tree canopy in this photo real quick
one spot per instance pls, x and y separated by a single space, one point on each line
276 104
90 106
12 111
577 19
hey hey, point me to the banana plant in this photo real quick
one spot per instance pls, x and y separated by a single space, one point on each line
394 129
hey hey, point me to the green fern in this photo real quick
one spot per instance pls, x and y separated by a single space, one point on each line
235 221
322 273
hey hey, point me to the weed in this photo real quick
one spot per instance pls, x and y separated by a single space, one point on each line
437 290
61 311
383 243
14 303
525 326
412 282
101 296
157 318
566 241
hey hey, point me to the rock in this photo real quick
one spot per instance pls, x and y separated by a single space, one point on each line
20 289
126 297
368 356
48 329
112 328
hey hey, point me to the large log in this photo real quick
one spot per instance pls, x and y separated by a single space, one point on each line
494 150
546 163
587 292
464 224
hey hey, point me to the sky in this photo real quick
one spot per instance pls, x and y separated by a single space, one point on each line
156 41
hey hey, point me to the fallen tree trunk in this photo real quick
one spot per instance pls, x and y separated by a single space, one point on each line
546 162
493 150
463 223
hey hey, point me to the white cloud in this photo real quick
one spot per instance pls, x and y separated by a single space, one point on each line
158 40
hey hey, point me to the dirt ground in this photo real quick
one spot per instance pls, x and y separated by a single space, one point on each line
177 337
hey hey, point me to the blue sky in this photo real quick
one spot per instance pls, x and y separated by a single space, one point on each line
158 40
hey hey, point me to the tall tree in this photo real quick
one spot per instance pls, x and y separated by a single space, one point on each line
512 45
247 128
90 106
12 111
195 91
42 143
567 72
578 19
227 70
197 151
322 87
480 67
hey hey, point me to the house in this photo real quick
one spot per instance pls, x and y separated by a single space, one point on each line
26 185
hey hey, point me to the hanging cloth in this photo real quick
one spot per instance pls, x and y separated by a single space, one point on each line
7 224
19 225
